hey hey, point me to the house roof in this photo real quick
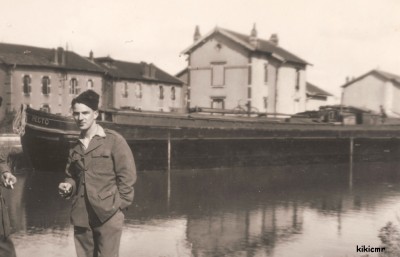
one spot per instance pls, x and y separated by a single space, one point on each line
312 89
11 54
263 46
135 71
386 76
181 73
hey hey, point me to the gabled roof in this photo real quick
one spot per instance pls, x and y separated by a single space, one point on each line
181 73
386 76
263 46
314 90
23 55
135 71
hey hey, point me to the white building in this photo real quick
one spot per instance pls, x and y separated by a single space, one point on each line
317 97
372 90
227 69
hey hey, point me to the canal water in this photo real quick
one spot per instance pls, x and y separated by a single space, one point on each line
281 210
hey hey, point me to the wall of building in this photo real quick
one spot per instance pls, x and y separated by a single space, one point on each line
289 99
367 93
313 104
148 98
258 85
222 61
394 108
83 78
273 67
59 98
238 65
184 77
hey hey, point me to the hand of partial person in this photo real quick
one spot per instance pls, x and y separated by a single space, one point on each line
64 189
8 180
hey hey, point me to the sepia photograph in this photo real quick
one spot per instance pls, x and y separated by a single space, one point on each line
200 128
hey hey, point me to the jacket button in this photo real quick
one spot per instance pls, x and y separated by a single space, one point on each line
83 194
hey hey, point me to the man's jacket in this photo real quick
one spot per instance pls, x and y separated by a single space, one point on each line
103 174
5 225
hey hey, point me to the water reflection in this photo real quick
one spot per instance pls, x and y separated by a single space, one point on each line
296 210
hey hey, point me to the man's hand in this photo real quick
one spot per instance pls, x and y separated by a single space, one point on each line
65 189
8 180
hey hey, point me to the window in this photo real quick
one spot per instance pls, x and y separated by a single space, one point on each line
161 92
138 90
125 90
26 88
73 87
45 108
218 103
173 93
90 84
266 73
45 85
297 80
265 102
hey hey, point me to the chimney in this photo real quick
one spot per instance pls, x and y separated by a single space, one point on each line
55 56
197 34
274 39
347 79
152 69
145 69
253 36
91 55
60 58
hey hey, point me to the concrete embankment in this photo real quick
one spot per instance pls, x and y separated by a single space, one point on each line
10 140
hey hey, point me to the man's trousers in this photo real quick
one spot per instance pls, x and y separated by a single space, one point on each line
100 241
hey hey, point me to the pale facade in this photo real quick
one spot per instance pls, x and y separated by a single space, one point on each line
317 97
44 79
313 104
140 86
49 90
228 70
146 96
372 90
48 80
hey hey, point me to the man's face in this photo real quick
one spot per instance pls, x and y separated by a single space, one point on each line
84 116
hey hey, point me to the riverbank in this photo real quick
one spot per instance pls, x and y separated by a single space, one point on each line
11 150
10 140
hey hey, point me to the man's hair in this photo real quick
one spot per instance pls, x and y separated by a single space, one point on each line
89 98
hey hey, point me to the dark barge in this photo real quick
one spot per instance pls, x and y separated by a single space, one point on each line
195 140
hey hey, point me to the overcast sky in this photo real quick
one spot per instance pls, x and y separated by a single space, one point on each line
338 37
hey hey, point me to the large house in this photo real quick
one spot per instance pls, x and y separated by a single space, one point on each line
139 86
372 90
48 79
227 69
43 78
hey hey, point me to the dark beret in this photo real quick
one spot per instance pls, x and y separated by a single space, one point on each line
88 98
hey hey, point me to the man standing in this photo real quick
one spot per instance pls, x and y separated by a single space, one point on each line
100 175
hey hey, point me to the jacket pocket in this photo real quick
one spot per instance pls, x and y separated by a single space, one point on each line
102 161
103 153
105 194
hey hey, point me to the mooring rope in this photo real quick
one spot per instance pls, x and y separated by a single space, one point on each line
20 121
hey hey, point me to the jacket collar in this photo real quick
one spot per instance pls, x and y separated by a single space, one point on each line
96 141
